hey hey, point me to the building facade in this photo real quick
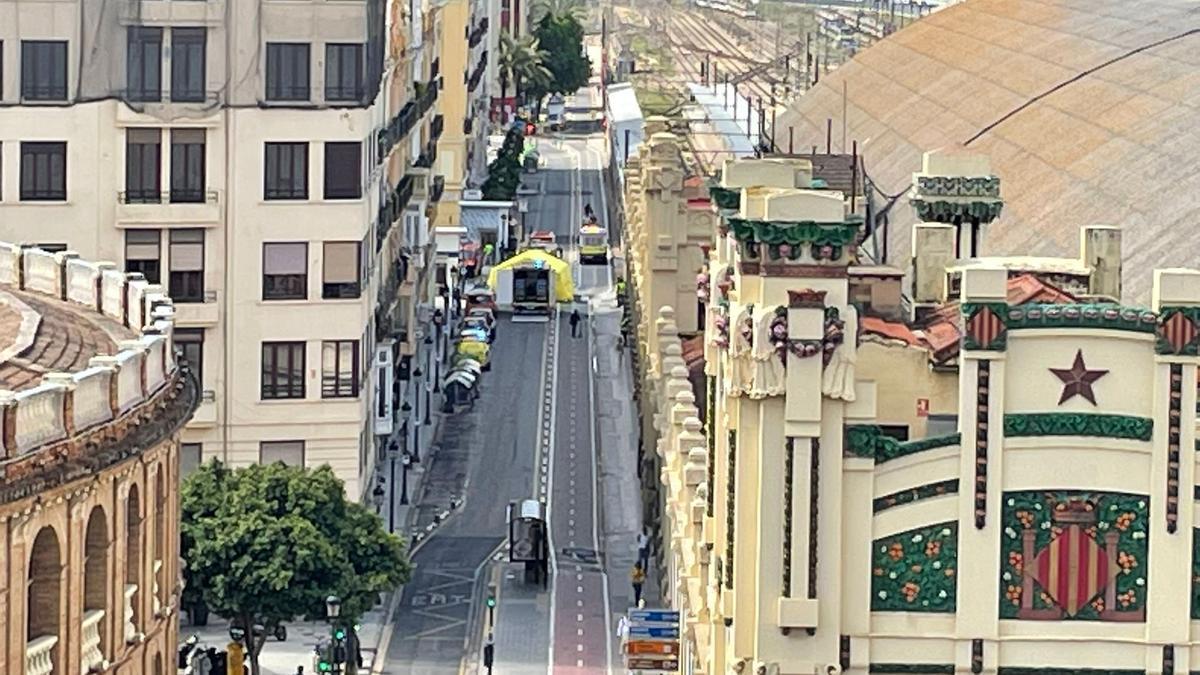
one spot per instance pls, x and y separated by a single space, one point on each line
268 165
1043 532
91 415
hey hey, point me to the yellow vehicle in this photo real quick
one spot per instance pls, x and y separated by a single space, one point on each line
593 244
476 350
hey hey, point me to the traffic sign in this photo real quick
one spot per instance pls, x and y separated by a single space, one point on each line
653 615
652 648
651 664
637 632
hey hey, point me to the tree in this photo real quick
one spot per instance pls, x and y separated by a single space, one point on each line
267 544
520 61
557 9
561 37
504 173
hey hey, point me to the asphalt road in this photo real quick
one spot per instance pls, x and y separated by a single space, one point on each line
486 459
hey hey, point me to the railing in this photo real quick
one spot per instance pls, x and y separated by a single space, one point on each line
477 34
172 196
392 209
157 601
39 659
468 125
428 155
92 655
65 404
436 127
435 69
477 74
426 93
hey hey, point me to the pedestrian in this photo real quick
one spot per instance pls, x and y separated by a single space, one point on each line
638 577
643 544
299 670
575 323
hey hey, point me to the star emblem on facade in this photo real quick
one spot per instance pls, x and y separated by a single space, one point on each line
1077 380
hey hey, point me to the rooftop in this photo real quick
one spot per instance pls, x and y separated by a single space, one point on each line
1086 109
40 335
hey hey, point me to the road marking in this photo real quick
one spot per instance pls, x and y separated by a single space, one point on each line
579 617
579 589
547 495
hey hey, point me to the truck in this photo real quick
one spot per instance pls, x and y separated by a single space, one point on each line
556 109
525 288
593 244
529 539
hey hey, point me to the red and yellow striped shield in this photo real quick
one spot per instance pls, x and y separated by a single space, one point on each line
1073 569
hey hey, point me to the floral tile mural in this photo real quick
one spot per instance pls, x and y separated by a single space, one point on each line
916 571
1074 556
1196 573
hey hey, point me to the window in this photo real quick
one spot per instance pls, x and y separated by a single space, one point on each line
191 456
187 166
339 369
290 453
896 431
143 166
285 271
282 370
343 170
940 425
188 71
340 270
187 265
44 172
189 344
143 253
51 248
343 72
286 172
144 63
287 71
43 70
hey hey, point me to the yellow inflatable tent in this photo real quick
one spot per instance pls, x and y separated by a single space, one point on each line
564 286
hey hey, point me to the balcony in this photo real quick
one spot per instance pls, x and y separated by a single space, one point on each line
130 630
206 412
436 127
147 13
175 206
198 314
425 95
477 75
91 655
392 209
436 187
428 155
39 658
476 35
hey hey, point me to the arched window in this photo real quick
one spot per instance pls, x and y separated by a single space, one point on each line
96 615
133 563
43 634
160 539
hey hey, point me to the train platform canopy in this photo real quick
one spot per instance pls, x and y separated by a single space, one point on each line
564 285
623 105
1086 110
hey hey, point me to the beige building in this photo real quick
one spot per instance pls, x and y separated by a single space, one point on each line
267 165
817 517
91 411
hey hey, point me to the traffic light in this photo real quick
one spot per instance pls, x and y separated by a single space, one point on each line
324 666
339 634
491 607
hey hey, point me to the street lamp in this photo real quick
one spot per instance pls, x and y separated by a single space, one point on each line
428 359
414 449
333 609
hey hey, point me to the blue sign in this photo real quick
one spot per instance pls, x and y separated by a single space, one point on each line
659 632
654 615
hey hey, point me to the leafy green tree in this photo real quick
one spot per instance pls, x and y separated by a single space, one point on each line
267 544
504 173
521 60
558 9
561 37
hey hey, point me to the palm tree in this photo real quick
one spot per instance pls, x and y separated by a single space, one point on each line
520 61
556 9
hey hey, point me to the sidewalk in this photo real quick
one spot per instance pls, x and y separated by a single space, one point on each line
620 489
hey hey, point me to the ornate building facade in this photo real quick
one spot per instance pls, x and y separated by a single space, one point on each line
816 518
91 412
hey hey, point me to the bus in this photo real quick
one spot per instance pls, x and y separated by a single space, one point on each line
593 244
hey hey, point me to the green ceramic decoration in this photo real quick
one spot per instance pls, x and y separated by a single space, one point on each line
1079 424
867 440
1104 534
726 198
1100 315
927 491
916 571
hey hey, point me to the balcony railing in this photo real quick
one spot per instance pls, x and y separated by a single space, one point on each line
477 34
392 209
404 121
39 658
436 187
436 127
428 155
477 74
92 656
131 632
157 602
435 69
173 196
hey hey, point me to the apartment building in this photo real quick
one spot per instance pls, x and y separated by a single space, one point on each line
250 159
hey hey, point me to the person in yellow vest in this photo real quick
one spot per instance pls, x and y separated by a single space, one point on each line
638 577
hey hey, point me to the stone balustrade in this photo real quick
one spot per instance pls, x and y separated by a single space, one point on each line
65 404
39 655
92 655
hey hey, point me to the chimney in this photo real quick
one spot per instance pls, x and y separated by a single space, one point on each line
1100 249
957 187
932 252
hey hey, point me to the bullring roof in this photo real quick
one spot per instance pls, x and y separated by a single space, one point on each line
1087 110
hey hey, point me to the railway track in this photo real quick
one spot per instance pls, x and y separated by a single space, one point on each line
692 37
